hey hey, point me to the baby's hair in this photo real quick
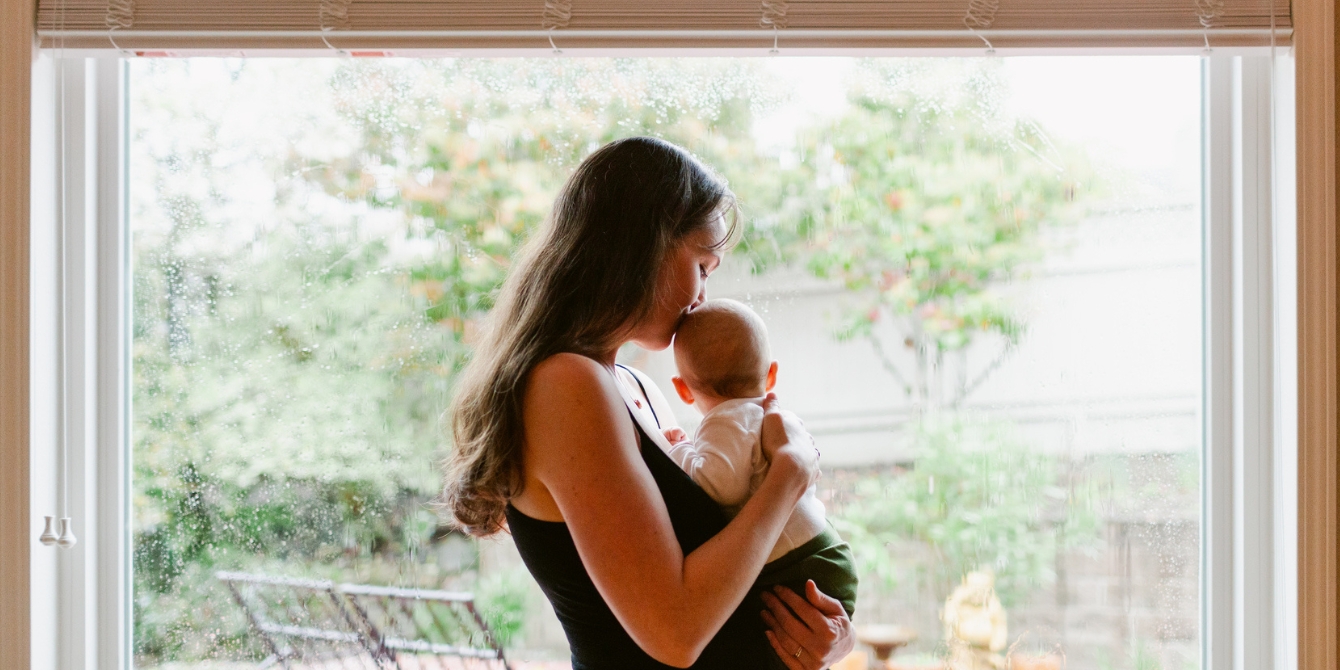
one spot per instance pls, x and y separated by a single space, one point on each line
722 347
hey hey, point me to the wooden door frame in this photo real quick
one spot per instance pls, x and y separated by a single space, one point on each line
17 50
1318 358
1317 130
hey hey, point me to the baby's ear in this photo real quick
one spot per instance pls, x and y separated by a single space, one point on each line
682 388
772 376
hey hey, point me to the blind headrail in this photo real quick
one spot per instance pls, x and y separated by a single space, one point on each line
678 24
658 34
800 38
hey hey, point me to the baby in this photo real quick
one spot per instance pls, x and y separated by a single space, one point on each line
725 369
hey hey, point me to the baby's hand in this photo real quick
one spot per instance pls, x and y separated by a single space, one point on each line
676 435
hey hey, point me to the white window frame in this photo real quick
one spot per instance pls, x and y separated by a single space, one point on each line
1249 465
81 595
80 333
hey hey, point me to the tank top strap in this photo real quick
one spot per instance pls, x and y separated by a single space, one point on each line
643 389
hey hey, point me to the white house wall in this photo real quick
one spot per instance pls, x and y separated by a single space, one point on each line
1110 362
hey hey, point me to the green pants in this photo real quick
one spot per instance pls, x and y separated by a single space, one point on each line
827 560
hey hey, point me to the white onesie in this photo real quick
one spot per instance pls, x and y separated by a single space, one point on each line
726 459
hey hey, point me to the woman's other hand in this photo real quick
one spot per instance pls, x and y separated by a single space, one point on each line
785 440
807 633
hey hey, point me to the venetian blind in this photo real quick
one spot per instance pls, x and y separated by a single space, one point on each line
408 25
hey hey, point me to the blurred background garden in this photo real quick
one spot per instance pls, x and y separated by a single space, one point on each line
981 279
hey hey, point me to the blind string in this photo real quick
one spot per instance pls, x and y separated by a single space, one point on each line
981 14
120 16
774 16
1274 209
67 538
556 14
1210 11
336 12
120 13
62 204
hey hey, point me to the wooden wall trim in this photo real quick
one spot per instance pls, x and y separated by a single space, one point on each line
17 33
1318 348
1318 128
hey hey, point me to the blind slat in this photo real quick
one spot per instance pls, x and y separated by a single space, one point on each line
446 24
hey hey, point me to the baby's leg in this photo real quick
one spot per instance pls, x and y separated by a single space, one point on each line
827 559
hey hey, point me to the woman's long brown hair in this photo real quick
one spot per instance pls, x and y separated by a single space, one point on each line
581 282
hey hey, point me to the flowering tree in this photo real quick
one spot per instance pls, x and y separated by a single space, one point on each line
472 152
929 201
923 201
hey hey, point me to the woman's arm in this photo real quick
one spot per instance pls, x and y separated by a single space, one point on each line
582 448
810 621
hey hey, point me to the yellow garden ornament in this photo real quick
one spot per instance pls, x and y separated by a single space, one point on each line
975 626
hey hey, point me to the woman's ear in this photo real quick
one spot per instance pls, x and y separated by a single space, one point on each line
772 376
682 388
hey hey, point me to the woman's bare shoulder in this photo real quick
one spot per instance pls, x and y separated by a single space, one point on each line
569 390
569 411
569 378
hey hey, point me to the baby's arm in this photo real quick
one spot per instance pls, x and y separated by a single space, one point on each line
719 459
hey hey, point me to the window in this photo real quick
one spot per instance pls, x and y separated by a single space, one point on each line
314 241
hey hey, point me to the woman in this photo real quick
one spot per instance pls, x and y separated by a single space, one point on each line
642 568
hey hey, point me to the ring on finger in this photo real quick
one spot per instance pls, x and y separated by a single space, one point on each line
798 653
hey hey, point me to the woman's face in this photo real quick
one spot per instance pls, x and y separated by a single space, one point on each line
681 285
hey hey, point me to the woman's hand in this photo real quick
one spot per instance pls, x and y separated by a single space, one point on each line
788 447
807 633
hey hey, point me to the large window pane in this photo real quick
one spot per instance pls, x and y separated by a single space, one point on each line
980 276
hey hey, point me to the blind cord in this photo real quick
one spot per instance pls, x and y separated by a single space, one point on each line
1210 11
336 11
120 16
48 537
556 14
981 14
66 538
774 16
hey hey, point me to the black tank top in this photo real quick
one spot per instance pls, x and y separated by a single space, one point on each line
597 640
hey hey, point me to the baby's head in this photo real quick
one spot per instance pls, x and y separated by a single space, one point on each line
721 350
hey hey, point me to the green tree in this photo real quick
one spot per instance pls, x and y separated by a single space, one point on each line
929 200
473 151
973 498
923 201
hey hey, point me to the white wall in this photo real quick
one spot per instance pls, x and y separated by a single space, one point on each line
1110 362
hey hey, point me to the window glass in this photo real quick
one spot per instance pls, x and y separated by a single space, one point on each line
980 278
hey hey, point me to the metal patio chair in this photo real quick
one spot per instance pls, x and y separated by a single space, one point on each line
318 624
